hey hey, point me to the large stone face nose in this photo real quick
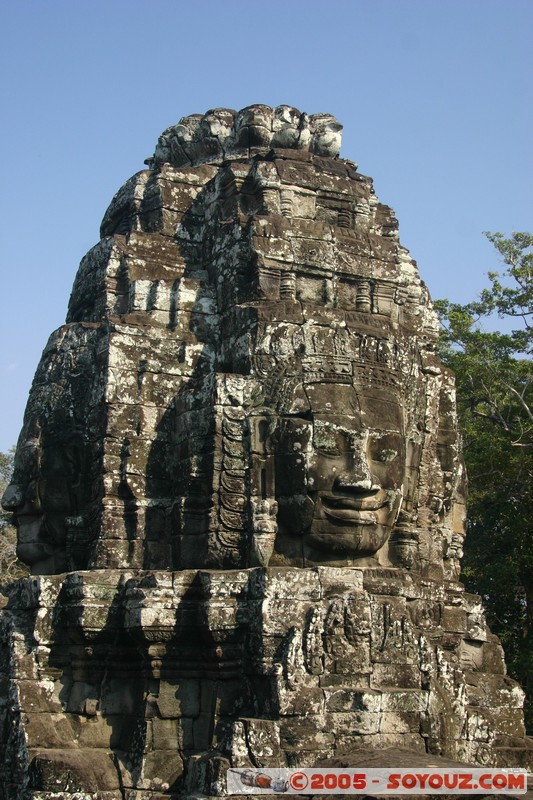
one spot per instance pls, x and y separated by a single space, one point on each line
356 483
350 483
13 497
356 477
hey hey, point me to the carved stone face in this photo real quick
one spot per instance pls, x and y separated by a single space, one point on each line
26 503
327 138
340 474
246 399
254 126
46 505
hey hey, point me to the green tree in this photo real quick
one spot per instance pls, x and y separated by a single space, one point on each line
494 374
10 566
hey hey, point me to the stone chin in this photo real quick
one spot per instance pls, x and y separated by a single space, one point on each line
354 527
357 540
33 553
32 547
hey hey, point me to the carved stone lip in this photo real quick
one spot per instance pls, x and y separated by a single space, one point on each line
342 502
351 516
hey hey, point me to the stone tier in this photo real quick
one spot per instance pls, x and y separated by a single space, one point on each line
157 681
222 134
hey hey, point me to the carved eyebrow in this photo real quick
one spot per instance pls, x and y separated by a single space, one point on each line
304 416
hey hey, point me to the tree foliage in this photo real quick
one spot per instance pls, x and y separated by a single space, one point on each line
494 374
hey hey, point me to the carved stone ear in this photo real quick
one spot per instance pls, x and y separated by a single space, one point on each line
262 504
264 529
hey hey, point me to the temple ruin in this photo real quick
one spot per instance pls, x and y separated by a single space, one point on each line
240 490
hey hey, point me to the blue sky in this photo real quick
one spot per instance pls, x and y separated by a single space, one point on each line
435 97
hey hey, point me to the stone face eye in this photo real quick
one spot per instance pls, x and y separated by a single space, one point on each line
386 456
326 442
330 440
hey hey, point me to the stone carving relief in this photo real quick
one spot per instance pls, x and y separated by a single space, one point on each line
299 316
240 491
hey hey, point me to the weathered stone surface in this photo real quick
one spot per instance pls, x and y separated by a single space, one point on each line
240 490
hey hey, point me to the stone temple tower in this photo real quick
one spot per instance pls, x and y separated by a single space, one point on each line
240 491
